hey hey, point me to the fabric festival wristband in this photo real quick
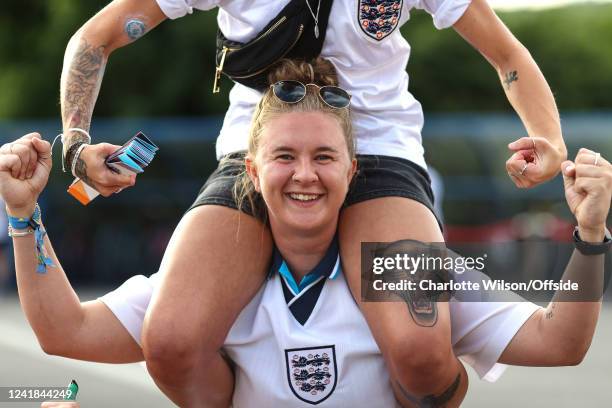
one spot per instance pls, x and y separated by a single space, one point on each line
34 222
23 223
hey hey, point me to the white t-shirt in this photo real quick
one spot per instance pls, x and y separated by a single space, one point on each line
387 118
329 356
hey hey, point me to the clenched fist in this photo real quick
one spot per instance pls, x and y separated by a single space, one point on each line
588 191
25 165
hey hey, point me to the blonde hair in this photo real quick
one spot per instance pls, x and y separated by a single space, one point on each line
320 72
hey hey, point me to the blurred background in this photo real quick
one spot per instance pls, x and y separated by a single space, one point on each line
162 86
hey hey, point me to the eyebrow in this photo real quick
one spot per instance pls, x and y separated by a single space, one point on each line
317 150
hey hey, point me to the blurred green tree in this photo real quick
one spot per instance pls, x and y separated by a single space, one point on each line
170 72
570 44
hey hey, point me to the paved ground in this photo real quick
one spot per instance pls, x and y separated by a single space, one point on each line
102 385
23 363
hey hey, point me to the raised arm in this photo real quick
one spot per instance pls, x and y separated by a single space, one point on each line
525 88
63 325
561 334
119 23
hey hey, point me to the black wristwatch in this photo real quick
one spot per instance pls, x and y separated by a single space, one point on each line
592 248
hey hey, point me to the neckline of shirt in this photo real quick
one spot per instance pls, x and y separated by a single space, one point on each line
328 266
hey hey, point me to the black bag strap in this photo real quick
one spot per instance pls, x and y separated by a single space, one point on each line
290 10
269 49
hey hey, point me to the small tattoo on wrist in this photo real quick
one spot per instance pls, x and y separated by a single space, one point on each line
511 76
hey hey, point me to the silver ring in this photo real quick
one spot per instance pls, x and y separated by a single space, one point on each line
597 156
523 170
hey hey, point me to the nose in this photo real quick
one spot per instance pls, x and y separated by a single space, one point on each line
305 172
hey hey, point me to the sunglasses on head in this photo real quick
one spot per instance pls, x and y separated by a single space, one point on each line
295 91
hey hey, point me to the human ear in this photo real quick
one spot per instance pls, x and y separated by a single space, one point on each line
251 170
352 170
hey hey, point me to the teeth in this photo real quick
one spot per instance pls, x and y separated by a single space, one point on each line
303 197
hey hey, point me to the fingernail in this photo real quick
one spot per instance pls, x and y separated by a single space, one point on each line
569 168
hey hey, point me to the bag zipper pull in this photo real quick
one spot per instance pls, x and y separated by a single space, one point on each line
218 71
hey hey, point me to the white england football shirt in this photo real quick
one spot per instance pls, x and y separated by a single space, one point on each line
295 345
370 55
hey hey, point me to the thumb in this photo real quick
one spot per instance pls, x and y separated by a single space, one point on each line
568 169
524 143
43 148
107 149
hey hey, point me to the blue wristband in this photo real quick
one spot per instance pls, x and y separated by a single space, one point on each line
34 222
23 223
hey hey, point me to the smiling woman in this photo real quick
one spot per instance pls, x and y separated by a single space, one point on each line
301 159
302 168
270 118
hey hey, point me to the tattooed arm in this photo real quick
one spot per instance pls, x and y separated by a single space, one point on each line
526 89
561 334
118 24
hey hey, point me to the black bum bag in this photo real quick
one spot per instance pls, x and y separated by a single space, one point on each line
289 35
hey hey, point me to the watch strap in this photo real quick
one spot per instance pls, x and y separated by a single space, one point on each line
592 248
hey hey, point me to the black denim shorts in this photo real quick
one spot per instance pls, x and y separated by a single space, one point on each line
377 176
